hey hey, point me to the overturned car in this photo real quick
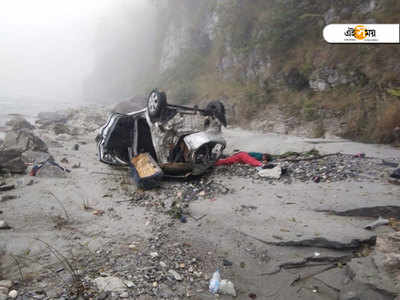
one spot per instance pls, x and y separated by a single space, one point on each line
181 140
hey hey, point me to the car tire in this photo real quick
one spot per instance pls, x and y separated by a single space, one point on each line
217 109
156 103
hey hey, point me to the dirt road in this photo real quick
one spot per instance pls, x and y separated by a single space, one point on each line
269 238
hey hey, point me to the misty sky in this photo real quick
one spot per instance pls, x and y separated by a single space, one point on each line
47 46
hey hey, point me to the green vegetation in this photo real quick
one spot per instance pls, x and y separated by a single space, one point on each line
286 37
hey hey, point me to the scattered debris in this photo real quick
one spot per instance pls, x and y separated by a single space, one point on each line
219 286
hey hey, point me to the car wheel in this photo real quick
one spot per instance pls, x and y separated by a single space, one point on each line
217 109
156 103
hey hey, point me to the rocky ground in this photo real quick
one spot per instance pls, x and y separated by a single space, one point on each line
90 234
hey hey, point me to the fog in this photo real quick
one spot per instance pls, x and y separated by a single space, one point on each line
56 50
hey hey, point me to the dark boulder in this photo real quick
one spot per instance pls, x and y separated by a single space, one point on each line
11 161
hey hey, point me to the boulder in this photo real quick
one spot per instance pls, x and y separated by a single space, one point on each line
24 140
18 123
11 161
326 78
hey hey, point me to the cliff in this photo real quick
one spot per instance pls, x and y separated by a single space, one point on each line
268 62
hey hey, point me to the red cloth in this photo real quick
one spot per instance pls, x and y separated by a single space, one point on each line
241 157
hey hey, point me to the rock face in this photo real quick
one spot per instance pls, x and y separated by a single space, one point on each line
327 78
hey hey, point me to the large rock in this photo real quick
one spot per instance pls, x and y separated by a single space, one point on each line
18 123
24 140
11 161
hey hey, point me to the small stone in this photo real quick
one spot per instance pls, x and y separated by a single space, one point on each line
176 275
13 294
6 283
227 263
124 295
155 284
4 225
163 264
129 284
154 254
198 274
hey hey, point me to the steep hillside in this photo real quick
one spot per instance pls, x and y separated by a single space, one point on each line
268 61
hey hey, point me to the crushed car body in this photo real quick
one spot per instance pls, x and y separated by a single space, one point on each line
182 140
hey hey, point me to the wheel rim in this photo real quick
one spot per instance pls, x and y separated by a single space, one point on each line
153 102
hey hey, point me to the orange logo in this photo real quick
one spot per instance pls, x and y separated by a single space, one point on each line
360 32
